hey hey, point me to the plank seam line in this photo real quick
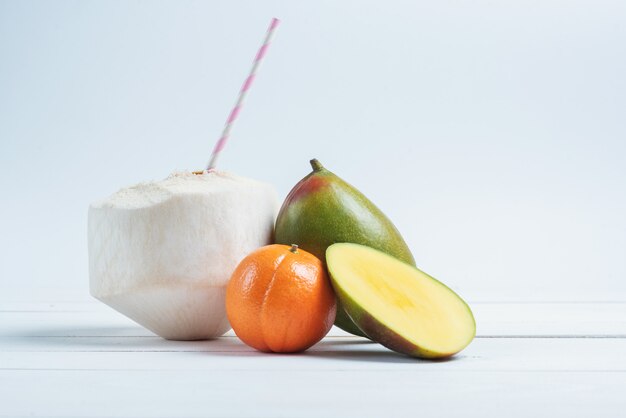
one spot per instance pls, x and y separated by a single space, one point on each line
417 361
503 336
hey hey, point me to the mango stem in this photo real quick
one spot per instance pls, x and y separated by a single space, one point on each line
317 166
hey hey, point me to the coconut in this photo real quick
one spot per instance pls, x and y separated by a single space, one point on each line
162 252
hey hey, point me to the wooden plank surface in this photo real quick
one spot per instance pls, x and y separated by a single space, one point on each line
296 393
492 319
78 358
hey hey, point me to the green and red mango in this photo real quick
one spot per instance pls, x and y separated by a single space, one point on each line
322 209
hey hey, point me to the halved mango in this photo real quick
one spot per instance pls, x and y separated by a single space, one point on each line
398 305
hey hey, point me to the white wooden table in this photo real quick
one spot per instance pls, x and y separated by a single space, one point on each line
69 356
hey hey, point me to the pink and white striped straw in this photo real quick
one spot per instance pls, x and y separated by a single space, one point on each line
242 94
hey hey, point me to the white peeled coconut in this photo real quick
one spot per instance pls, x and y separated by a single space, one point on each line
162 252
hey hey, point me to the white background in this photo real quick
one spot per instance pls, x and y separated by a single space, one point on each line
492 133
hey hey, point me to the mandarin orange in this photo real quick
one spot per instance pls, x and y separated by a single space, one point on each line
279 299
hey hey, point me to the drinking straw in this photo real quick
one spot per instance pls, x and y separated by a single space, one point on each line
219 145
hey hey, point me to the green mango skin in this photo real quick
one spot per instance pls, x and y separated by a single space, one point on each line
322 209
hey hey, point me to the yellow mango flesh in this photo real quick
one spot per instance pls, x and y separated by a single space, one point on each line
432 319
